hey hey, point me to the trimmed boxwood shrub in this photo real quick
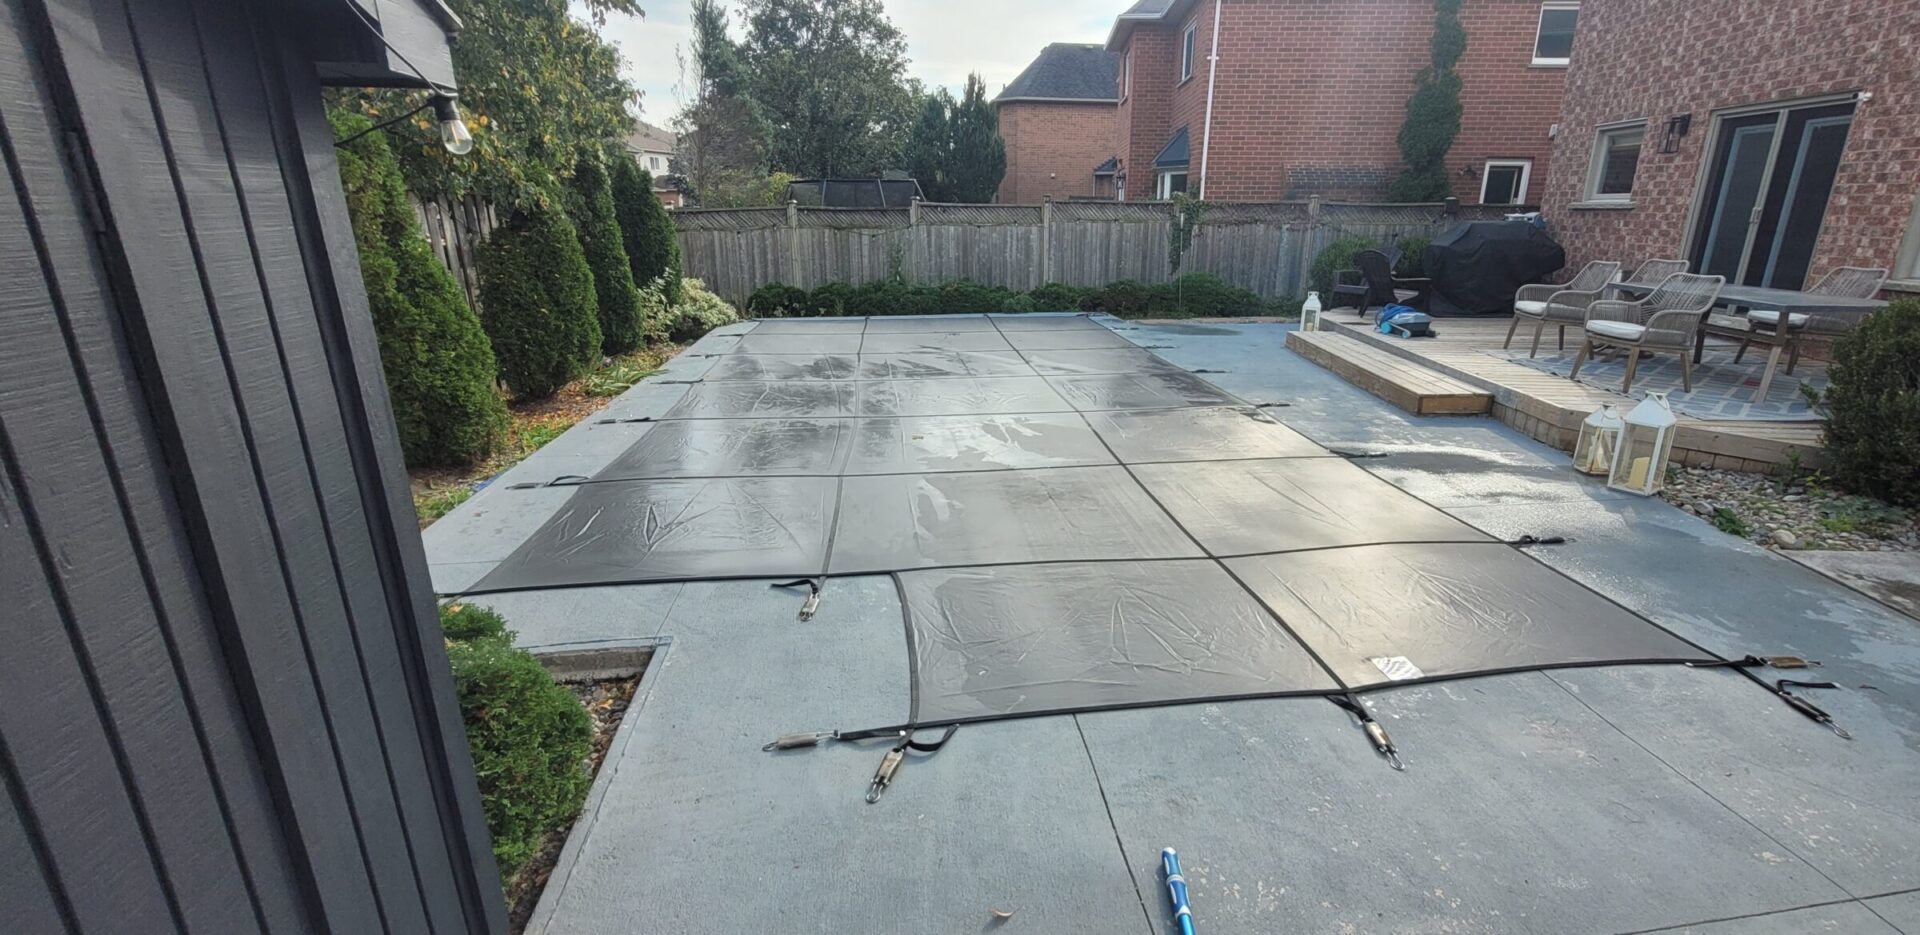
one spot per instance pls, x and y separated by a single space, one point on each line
830 299
529 736
1334 258
961 296
537 301
1059 297
777 300
888 297
1123 297
1873 406
653 248
439 366
621 329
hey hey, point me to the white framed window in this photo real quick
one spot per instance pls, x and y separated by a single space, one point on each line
1504 181
1187 38
1616 159
653 163
1126 73
1553 40
1171 182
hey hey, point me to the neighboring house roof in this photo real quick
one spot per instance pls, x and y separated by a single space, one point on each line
1143 11
648 138
1067 71
1174 155
1109 167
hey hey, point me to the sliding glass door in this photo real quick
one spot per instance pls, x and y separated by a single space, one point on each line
1770 174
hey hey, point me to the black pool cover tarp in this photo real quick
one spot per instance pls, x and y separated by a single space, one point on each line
1477 266
1072 523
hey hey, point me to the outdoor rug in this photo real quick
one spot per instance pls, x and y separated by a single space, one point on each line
1722 389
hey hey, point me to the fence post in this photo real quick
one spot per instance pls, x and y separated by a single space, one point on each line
1302 258
1046 240
793 242
913 212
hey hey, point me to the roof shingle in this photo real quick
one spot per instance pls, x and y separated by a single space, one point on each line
1067 71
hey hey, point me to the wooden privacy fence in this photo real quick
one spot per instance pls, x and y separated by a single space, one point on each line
455 228
1266 248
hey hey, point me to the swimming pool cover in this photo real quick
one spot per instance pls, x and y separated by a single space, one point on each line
1072 523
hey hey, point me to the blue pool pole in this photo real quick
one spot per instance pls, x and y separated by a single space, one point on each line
1177 888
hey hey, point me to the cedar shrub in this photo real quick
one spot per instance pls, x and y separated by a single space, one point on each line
438 364
653 248
537 300
614 289
1873 406
1433 113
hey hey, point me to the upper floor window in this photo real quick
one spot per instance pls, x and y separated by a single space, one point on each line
1616 158
1126 73
1553 43
653 163
1186 49
1909 266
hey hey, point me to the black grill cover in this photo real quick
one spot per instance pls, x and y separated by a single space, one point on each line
1477 266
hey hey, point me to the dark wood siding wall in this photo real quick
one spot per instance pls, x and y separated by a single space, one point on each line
224 703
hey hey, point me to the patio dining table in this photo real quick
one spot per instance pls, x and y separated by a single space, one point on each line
1785 301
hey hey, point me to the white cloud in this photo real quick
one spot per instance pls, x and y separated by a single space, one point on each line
945 40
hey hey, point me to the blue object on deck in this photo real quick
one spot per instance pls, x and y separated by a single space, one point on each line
1177 888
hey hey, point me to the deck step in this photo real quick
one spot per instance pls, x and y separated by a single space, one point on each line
1420 390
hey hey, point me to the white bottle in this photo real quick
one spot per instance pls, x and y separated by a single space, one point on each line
1310 313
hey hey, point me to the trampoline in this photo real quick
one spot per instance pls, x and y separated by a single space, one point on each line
1072 523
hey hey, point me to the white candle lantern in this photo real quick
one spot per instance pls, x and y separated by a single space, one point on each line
1646 443
1599 439
1310 313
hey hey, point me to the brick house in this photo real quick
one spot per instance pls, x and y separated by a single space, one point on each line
653 149
1799 154
1057 118
1310 96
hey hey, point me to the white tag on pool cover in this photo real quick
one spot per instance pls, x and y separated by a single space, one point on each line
1396 668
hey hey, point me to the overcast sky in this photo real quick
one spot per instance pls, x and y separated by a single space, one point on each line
945 40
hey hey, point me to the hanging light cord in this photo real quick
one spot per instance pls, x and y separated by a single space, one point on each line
382 125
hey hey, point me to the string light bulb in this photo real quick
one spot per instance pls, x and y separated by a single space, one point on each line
454 134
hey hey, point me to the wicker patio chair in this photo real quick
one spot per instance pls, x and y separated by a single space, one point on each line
1373 285
1668 319
1562 305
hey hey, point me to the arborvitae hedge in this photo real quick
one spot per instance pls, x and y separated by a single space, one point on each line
652 246
438 364
537 300
620 326
1873 406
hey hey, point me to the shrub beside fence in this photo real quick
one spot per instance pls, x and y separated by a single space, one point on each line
1265 248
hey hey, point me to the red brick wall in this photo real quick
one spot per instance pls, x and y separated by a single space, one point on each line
1657 58
1143 125
1052 149
1312 92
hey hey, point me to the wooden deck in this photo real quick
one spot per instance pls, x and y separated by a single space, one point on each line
1404 382
1550 408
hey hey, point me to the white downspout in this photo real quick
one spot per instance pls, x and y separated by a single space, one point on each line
1206 126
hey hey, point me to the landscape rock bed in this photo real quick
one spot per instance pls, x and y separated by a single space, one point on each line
1791 513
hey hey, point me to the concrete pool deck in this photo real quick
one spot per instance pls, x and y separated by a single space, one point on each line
1623 799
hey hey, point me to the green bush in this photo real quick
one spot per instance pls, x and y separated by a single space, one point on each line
1334 258
1059 297
472 622
530 739
537 300
1123 297
830 299
1413 257
888 297
1873 406
777 300
1204 295
699 312
1019 302
438 365
621 328
653 248
961 296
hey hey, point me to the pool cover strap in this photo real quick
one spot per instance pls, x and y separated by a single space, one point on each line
1376 734
890 764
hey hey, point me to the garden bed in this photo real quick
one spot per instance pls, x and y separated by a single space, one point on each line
1791 513
604 682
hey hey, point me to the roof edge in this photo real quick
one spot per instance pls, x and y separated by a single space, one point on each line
1024 99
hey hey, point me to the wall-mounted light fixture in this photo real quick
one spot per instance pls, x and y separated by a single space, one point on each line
1677 127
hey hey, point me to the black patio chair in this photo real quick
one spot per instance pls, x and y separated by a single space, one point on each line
1374 286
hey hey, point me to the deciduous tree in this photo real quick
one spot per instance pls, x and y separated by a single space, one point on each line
830 78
